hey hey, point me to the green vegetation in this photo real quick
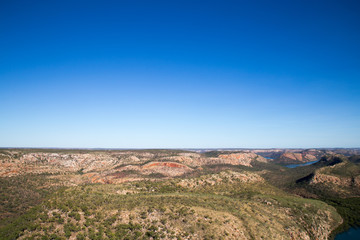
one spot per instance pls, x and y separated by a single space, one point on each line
153 209
18 194
349 209
297 181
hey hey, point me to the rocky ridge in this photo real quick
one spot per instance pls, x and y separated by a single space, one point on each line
114 166
298 157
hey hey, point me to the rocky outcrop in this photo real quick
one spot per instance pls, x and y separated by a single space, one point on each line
292 157
170 169
244 159
335 176
320 178
222 177
338 171
167 163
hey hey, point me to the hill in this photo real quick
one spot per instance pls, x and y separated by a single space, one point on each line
231 205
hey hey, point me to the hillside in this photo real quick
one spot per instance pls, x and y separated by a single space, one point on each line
334 180
231 205
337 176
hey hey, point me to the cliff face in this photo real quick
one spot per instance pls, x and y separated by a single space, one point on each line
269 153
299 157
336 184
335 176
244 159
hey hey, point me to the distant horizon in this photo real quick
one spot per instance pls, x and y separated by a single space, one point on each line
210 148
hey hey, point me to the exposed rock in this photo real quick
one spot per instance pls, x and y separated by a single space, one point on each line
303 156
226 176
337 180
15 163
166 168
240 158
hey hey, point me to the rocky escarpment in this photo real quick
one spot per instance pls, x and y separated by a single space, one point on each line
336 177
107 162
269 153
58 163
168 169
37 162
79 167
228 177
223 157
320 178
244 159
292 157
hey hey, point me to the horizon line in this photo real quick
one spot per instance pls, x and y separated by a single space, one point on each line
180 148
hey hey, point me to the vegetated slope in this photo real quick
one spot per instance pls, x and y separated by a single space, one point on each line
338 178
231 205
334 180
338 184
354 159
18 194
299 156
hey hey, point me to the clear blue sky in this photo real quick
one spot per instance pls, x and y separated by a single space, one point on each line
174 74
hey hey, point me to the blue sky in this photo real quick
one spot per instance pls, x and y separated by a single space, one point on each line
179 74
